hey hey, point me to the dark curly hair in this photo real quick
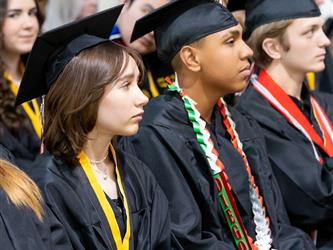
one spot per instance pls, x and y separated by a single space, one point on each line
12 118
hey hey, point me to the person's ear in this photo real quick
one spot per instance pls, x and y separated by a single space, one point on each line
272 48
190 58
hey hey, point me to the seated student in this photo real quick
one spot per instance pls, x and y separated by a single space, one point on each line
20 127
104 198
288 41
21 212
209 160
154 83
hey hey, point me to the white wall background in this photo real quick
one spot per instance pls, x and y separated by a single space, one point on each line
104 4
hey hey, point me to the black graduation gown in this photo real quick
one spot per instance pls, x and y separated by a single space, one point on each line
167 144
25 145
20 228
72 202
5 154
306 185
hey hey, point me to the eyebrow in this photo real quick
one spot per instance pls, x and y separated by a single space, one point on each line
129 75
314 26
233 33
18 10
149 6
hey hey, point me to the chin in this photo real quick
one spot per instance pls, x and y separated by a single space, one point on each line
317 68
240 86
24 49
130 131
144 50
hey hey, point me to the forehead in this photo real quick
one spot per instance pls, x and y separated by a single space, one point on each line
20 4
129 67
233 31
303 23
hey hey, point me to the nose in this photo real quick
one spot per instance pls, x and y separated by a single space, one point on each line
29 21
324 41
246 51
141 98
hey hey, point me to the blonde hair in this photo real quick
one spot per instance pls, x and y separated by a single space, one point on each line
270 30
60 12
19 188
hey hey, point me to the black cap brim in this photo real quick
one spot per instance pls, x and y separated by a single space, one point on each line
234 5
34 82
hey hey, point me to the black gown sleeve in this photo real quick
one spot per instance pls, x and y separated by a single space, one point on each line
20 229
150 147
5 240
306 184
311 183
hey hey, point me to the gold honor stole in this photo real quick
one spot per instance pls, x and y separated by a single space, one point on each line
33 114
121 244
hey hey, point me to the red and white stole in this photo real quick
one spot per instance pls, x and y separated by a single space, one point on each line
279 99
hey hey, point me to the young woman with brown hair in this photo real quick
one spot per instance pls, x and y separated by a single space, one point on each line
20 128
104 198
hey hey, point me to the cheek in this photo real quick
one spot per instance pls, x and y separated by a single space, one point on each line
113 108
9 29
222 64
36 25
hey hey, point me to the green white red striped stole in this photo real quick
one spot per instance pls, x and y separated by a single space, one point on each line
241 239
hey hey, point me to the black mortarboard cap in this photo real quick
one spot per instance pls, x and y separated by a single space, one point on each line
234 5
259 12
182 22
54 49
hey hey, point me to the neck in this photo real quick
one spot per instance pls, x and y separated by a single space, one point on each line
12 65
96 146
289 80
196 90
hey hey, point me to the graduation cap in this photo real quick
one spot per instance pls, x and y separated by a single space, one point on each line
53 50
259 12
182 22
234 5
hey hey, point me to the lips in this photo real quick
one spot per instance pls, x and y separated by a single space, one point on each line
139 115
322 56
246 71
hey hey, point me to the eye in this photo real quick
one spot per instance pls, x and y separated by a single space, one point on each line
230 41
13 15
33 12
309 33
125 84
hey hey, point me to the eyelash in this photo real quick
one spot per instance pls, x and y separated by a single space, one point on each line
12 15
230 41
126 84
15 14
309 33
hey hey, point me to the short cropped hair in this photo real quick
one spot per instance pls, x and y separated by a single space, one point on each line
271 30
